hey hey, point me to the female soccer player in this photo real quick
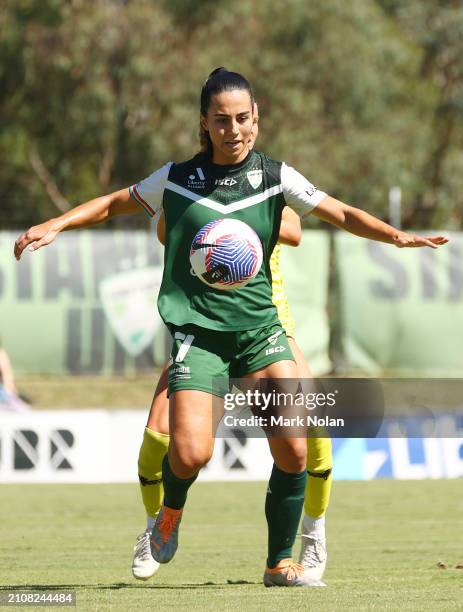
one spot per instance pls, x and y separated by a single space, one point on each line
217 332
155 442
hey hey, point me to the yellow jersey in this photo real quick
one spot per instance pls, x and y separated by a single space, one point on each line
278 294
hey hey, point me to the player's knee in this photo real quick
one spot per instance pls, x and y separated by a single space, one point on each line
193 462
296 464
190 460
295 459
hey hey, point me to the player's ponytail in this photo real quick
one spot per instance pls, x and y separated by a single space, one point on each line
218 81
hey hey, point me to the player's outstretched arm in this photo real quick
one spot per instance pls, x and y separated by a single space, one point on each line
161 229
290 228
362 224
92 212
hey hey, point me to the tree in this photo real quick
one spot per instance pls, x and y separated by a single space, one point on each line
358 96
437 28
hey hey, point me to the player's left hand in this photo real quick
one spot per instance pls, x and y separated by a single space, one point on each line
403 239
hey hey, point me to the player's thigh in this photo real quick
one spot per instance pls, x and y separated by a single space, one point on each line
192 418
197 380
303 368
305 373
289 452
158 419
270 350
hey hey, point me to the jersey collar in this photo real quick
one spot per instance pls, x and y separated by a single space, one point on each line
219 169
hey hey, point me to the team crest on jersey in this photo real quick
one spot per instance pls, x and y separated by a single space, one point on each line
255 178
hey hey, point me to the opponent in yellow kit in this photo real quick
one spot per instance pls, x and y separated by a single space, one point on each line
319 460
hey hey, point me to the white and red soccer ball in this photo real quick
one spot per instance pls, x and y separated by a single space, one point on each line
226 254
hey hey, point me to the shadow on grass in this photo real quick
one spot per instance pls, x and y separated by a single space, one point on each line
120 585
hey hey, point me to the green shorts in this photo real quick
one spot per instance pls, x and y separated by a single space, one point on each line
202 358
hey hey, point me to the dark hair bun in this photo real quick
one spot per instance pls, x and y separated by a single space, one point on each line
217 71
221 80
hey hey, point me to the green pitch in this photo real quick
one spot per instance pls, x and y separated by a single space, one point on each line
385 541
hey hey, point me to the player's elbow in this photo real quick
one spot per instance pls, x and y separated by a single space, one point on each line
119 203
290 234
294 238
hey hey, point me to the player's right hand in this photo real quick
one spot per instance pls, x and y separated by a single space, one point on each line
36 237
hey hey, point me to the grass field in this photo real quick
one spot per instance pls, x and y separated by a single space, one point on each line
57 392
385 541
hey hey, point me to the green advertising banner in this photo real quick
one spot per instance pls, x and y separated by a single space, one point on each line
401 310
84 305
87 303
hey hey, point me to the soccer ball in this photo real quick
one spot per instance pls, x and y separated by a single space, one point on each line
226 254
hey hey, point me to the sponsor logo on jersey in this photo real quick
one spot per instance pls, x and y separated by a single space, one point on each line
274 337
275 349
311 191
226 182
198 180
180 372
255 178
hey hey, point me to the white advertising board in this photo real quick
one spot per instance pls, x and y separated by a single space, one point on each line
80 446
102 446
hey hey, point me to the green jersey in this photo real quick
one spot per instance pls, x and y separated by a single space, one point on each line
197 191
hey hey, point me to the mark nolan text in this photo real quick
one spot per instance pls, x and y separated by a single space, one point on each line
281 421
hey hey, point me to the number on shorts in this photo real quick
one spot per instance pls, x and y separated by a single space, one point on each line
187 341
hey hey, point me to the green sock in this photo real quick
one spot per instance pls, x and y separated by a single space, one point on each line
175 488
283 507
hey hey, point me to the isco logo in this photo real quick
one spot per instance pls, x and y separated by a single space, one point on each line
226 182
275 349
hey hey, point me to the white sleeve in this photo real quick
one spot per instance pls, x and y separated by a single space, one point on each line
299 193
149 192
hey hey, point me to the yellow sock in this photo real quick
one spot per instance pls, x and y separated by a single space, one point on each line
318 487
152 451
